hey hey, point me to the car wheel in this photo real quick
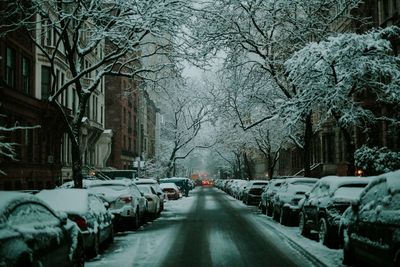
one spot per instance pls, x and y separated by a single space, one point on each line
348 254
263 210
110 238
304 231
323 233
269 210
136 222
283 217
96 247
79 255
275 214
25 259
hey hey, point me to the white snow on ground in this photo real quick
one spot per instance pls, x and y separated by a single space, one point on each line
330 257
149 248
146 248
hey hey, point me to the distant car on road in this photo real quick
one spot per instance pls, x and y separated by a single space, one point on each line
33 234
171 190
184 184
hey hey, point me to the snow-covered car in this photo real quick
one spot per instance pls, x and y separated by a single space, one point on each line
181 182
153 200
124 199
171 190
268 194
372 234
156 186
325 203
33 234
252 191
237 187
287 197
87 211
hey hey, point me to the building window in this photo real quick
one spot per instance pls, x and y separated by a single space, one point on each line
25 75
46 82
101 114
10 67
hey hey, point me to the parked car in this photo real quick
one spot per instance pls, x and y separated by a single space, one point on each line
125 201
153 200
182 183
372 234
287 197
171 190
87 211
237 187
33 234
156 186
268 194
252 191
323 206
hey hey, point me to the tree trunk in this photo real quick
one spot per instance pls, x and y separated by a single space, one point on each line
307 146
350 150
77 165
248 166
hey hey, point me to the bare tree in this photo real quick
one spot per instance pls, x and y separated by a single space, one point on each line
262 35
91 39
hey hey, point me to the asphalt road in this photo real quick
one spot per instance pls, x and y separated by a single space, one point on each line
217 233
206 229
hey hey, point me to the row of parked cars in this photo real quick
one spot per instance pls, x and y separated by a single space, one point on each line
361 215
65 226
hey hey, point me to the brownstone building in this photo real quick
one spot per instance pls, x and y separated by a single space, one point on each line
38 150
121 116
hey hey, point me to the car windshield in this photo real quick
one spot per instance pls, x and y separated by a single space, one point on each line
102 187
348 192
304 182
144 189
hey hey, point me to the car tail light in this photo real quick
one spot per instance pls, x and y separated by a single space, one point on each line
125 199
81 222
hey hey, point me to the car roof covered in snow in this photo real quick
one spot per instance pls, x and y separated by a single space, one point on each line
392 179
168 185
145 181
335 182
124 182
9 199
71 200
301 179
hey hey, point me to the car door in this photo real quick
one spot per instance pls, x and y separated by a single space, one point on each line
43 232
142 202
310 206
371 236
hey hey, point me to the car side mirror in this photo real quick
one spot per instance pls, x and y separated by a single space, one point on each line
106 205
141 193
307 195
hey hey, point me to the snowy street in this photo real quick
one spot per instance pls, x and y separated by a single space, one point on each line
210 228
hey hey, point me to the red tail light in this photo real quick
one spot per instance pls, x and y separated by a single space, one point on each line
81 222
126 199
